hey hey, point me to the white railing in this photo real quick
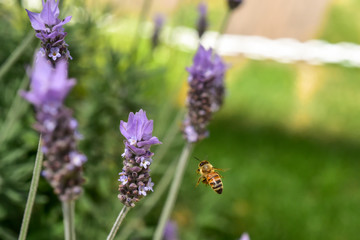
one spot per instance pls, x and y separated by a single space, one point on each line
284 50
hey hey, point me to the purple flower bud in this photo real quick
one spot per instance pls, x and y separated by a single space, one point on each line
158 24
137 158
49 29
202 22
206 93
234 3
133 186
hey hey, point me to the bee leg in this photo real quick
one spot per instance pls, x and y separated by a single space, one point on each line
198 181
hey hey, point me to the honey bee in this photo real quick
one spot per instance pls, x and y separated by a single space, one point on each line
209 176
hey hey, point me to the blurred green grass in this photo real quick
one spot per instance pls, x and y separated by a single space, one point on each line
288 134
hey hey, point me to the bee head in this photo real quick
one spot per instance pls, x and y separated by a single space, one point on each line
202 163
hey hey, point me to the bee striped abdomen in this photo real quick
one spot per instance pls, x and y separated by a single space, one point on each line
215 182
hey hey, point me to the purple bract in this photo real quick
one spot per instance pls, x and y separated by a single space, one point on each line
49 85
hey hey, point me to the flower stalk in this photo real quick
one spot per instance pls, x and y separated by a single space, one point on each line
223 27
32 193
143 15
118 222
68 208
174 189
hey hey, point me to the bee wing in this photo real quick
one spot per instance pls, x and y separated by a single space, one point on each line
224 170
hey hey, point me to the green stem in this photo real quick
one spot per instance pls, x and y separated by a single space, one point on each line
16 54
174 189
32 193
68 208
150 202
118 222
223 27
143 14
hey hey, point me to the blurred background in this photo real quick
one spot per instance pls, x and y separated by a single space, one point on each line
289 133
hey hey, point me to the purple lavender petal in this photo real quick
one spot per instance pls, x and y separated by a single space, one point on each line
36 21
60 24
148 129
137 151
54 6
151 141
48 13
123 129
48 85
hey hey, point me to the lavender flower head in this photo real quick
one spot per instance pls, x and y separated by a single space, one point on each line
159 21
234 4
171 231
49 29
63 165
135 179
202 22
205 95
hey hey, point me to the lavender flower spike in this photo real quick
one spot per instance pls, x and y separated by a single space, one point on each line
158 23
205 95
63 165
49 29
202 22
135 181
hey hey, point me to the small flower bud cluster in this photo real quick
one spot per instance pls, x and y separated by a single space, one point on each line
49 29
205 95
202 22
135 180
234 4
63 165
